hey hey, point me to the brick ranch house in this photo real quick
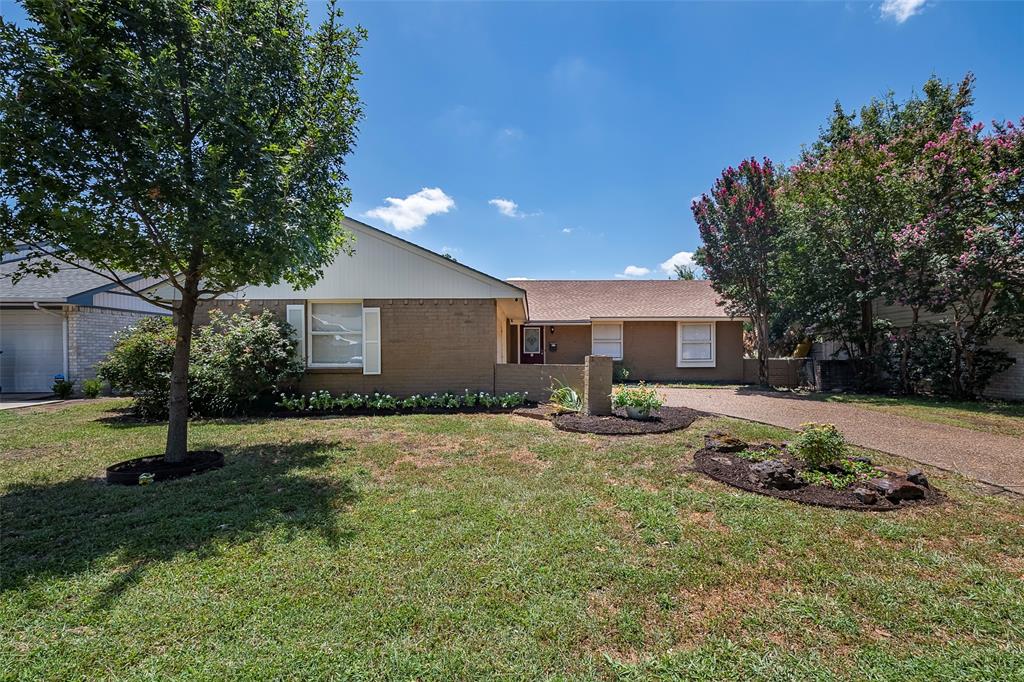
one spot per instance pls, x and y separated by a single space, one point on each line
401 319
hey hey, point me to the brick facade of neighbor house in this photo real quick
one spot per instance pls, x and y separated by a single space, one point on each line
427 346
91 337
649 352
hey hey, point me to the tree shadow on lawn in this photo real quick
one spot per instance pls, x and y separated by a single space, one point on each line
64 528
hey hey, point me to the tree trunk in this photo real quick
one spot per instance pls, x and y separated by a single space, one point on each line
177 419
762 351
908 337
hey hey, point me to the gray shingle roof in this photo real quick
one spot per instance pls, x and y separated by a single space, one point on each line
583 300
63 284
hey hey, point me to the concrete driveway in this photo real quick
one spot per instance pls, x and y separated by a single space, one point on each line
12 401
987 457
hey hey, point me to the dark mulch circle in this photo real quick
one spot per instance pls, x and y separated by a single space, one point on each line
618 424
733 470
196 462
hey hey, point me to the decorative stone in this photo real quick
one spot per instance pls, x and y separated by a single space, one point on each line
723 442
861 459
722 460
896 489
917 477
865 496
774 474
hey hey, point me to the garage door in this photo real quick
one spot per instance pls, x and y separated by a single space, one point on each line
33 350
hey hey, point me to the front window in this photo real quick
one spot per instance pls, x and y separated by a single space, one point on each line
696 345
606 339
336 335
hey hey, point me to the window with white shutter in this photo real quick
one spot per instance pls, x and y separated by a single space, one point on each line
296 317
606 339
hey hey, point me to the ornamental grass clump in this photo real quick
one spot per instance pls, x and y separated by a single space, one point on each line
819 445
565 398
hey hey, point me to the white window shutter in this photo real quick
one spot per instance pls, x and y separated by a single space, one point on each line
371 340
296 317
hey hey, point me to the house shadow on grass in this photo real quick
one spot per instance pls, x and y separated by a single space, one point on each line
62 529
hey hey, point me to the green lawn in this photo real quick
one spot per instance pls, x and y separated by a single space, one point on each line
468 547
993 417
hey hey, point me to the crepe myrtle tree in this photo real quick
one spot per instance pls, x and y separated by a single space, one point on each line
200 142
739 227
963 254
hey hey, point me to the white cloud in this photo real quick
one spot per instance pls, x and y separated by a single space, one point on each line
411 212
901 10
681 258
633 271
510 209
450 250
566 230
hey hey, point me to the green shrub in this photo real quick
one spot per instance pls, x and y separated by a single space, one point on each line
91 388
237 361
819 444
323 401
62 388
641 398
565 398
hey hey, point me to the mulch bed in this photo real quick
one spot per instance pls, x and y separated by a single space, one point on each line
734 470
196 462
618 424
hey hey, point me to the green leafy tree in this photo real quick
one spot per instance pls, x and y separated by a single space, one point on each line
197 141
684 272
740 229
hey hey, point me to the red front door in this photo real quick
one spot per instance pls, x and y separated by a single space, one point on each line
531 345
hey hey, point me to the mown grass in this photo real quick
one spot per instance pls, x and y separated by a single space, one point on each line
990 416
469 547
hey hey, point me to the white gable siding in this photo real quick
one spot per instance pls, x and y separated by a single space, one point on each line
386 267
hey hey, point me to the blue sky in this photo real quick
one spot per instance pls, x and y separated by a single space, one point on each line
601 121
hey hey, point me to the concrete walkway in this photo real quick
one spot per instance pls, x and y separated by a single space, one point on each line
12 401
987 457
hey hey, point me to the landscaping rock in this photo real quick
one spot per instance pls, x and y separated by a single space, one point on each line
866 496
722 460
774 474
896 489
723 442
917 477
861 459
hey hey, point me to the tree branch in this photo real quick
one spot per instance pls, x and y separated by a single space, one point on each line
109 275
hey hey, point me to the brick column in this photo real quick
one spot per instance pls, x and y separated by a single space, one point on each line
597 384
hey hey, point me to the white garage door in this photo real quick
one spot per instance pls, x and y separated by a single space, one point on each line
33 350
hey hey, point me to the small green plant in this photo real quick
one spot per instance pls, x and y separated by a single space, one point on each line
91 388
620 374
639 398
565 398
819 444
760 454
323 401
62 388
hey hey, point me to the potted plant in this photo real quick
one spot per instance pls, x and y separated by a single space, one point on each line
638 401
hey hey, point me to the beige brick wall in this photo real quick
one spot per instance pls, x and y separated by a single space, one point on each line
91 337
427 346
536 379
573 344
649 352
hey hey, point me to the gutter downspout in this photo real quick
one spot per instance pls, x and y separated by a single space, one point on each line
63 315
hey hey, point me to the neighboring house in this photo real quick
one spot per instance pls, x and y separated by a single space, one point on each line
1007 385
398 318
60 324
660 330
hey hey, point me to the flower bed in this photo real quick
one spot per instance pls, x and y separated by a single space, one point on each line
777 470
323 402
